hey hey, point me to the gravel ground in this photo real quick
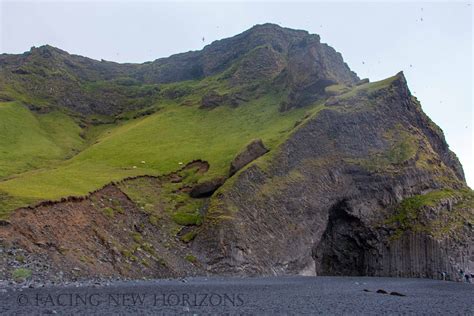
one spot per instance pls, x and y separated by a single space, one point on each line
273 295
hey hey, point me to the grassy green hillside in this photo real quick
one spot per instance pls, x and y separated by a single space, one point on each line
29 140
155 144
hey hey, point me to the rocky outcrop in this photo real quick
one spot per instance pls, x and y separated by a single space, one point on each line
313 66
350 247
274 46
253 150
362 81
212 99
263 63
50 75
320 204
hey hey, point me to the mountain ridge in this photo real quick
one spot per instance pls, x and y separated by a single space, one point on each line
46 62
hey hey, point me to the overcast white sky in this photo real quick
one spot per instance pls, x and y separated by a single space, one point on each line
430 41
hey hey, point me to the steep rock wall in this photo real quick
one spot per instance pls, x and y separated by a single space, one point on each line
319 203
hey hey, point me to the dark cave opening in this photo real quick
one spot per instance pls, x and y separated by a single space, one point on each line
344 247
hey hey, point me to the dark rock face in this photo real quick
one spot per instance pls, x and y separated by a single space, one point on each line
319 206
253 150
263 63
312 66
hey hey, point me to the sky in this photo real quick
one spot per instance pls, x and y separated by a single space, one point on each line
430 41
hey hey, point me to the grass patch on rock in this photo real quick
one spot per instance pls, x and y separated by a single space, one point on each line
413 213
21 274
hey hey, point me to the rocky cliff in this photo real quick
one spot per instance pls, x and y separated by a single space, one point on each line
362 183
329 200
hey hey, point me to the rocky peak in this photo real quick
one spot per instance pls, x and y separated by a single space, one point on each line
277 37
266 28
401 85
46 51
296 52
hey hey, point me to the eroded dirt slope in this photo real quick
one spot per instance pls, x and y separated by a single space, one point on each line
109 233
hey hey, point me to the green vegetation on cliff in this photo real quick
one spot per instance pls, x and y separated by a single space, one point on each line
413 213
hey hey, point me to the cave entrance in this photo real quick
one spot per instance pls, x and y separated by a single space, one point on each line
344 248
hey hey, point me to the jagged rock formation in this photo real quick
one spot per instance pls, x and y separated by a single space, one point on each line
364 184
